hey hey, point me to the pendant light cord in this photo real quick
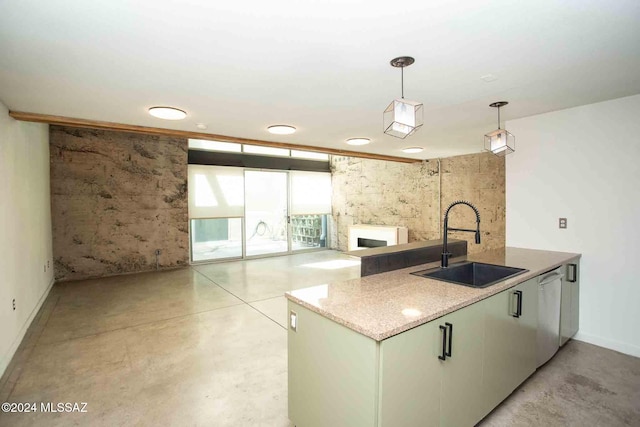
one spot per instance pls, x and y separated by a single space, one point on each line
402 81
498 117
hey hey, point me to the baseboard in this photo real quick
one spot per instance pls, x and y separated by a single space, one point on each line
630 349
126 273
16 343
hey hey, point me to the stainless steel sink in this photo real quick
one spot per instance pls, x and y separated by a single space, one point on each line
473 274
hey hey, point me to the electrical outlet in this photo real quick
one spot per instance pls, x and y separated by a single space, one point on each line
48 266
158 252
293 320
562 222
13 303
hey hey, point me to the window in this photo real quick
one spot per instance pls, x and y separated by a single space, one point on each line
216 208
202 144
215 191
232 147
269 151
236 212
310 193
216 238
311 155
310 202
308 231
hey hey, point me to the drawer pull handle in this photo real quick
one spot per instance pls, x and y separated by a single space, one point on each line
443 356
518 312
573 272
448 353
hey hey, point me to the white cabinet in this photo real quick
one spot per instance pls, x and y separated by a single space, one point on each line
570 302
511 319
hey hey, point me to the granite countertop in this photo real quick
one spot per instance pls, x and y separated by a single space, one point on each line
386 304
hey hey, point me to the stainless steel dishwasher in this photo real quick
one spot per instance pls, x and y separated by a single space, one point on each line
549 292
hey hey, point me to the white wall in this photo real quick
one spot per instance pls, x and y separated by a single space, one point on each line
25 233
583 163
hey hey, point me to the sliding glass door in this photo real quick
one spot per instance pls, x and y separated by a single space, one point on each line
266 212
238 213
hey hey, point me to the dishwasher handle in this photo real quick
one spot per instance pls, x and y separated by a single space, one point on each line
551 278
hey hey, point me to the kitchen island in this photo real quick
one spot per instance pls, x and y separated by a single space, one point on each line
378 350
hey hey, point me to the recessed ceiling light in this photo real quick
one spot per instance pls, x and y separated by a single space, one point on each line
358 141
201 126
281 129
412 150
167 113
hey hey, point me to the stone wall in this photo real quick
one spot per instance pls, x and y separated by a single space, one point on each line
117 197
388 193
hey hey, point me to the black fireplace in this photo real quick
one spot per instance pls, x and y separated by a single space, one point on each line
371 243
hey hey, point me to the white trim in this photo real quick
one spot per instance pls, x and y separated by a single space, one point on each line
16 343
621 347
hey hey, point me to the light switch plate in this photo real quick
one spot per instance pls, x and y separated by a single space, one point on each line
562 223
293 320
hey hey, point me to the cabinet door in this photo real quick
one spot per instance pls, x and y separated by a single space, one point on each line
332 373
410 378
461 389
510 341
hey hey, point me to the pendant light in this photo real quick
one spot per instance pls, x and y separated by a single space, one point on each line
499 142
402 117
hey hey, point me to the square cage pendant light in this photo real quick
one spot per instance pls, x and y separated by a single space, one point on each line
500 142
402 117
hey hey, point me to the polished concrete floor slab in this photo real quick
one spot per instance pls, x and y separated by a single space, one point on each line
207 345
274 308
223 367
583 385
93 306
167 348
260 279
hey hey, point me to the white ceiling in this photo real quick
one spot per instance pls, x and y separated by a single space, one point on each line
321 66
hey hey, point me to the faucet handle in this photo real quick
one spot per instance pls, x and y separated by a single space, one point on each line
445 259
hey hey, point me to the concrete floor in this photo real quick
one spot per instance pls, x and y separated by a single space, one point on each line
583 385
218 250
207 346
